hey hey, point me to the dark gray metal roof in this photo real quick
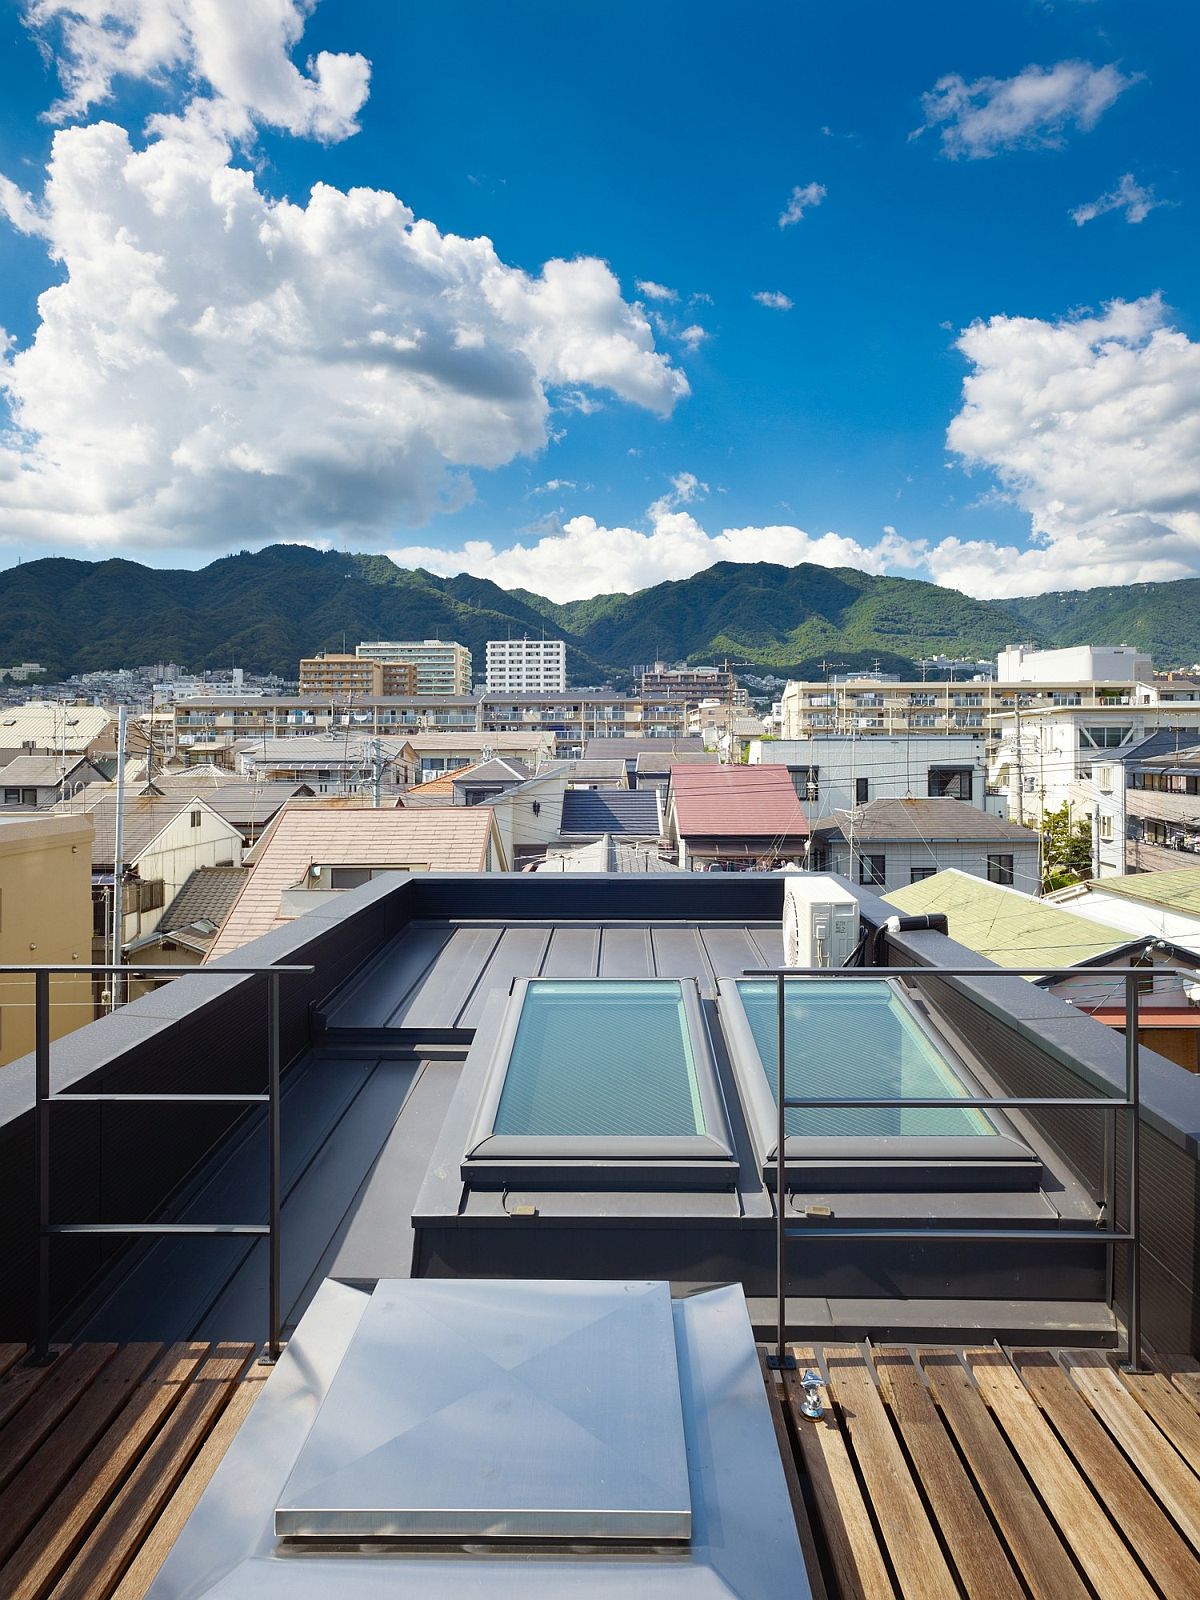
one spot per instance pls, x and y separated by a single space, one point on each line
614 811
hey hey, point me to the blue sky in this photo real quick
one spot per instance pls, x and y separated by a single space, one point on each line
665 141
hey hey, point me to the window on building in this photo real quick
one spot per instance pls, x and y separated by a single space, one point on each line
195 818
861 791
1109 737
919 874
1104 779
871 869
1000 869
950 783
806 782
1106 826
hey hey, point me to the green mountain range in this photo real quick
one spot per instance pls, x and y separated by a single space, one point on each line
264 611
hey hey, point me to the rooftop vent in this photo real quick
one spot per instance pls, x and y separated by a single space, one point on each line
498 1411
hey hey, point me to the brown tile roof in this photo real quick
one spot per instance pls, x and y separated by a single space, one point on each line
735 802
444 839
943 821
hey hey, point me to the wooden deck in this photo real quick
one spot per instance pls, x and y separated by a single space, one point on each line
938 1473
102 1456
994 1475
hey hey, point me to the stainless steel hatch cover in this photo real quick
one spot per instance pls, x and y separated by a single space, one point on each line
499 1410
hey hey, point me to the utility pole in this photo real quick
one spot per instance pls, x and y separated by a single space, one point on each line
1020 764
376 772
118 910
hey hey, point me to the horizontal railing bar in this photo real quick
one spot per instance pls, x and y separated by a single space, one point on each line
867 974
975 1102
67 1097
157 971
981 1235
135 1228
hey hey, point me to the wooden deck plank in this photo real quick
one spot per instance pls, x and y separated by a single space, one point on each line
917 1558
45 1408
804 1531
1171 1479
979 1559
10 1354
20 1383
1169 1410
132 1511
28 1495
1031 1538
855 1556
1172 1565
1098 1546
162 1536
1185 1375
31 1571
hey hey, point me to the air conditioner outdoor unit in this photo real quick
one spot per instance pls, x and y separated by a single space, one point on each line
820 921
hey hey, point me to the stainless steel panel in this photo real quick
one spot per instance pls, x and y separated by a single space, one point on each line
499 1410
743 1540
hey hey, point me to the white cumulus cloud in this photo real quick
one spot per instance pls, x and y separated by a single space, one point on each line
773 299
586 558
1092 424
217 366
1034 108
655 291
802 198
1129 196
240 48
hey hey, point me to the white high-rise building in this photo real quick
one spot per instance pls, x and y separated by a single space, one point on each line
527 666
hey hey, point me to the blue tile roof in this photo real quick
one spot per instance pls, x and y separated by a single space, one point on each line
616 811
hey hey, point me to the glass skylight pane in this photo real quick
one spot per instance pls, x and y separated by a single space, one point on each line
601 1058
856 1037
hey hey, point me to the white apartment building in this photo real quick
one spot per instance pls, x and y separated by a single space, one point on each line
1049 757
1078 664
526 666
442 667
836 772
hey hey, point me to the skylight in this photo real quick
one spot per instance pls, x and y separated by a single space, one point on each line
607 1059
615 1075
865 1039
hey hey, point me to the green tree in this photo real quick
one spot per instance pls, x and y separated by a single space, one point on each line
1066 849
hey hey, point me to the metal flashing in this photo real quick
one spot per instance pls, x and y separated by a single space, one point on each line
496 1411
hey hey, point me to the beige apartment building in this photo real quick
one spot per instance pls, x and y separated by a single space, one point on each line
344 676
45 918
443 667
1027 680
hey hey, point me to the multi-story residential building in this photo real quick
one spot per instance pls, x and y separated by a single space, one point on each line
1077 756
835 772
1026 679
692 684
1161 796
356 676
526 666
45 915
442 666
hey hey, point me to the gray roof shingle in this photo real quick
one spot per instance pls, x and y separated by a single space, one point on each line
615 811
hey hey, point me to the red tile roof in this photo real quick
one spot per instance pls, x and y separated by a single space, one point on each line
736 802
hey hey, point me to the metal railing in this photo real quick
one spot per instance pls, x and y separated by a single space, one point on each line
44 1099
1109 1235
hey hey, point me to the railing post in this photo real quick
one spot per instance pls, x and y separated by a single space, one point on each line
781 1358
1133 1355
41 1122
273 1339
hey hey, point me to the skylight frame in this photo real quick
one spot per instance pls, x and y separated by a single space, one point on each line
899 1150
702 1160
